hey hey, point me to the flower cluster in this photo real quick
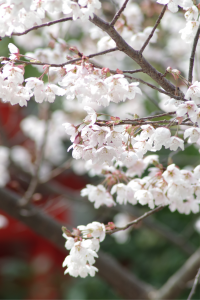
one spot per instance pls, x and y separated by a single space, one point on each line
12 89
103 144
17 16
83 250
95 85
180 189
191 15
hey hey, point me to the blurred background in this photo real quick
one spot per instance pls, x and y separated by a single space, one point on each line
30 266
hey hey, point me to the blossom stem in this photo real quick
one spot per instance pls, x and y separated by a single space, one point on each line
136 220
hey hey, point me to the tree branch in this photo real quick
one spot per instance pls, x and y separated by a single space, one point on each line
117 15
126 284
132 71
116 229
153 30
194 285
136 56
42 25
65 63
191 66
176 283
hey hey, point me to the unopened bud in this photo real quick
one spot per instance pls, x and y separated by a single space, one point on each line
175 73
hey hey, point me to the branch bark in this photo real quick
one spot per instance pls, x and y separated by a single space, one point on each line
136 56
176 283
154 28
196 39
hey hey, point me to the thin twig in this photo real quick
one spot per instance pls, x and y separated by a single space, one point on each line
135 221
57 171
134 55
132 71
177 282
150 85
42 25
35 179
153 30
117 15
194 285
63 64
140 123
193 55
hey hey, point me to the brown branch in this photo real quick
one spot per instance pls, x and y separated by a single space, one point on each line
132 71
42 25
136 56
54 188
117 15
196 280
125 283
140 121
142 81
153 30
156 88
66 63
116 229
176 283
196 39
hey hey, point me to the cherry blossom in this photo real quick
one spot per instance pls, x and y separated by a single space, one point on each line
82 254
172 4
98 195
188 107
188 33
193 133
113 148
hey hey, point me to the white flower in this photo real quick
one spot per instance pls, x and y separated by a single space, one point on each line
188 33
128 158
92 115
174 142
172 174
160 138
171 4
144 197
132 90
95 229
80 260
121 190
98 195
192 13
193 93
51 91
188 107
14 52
105 154
38 86
69 243
193 133
71 130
